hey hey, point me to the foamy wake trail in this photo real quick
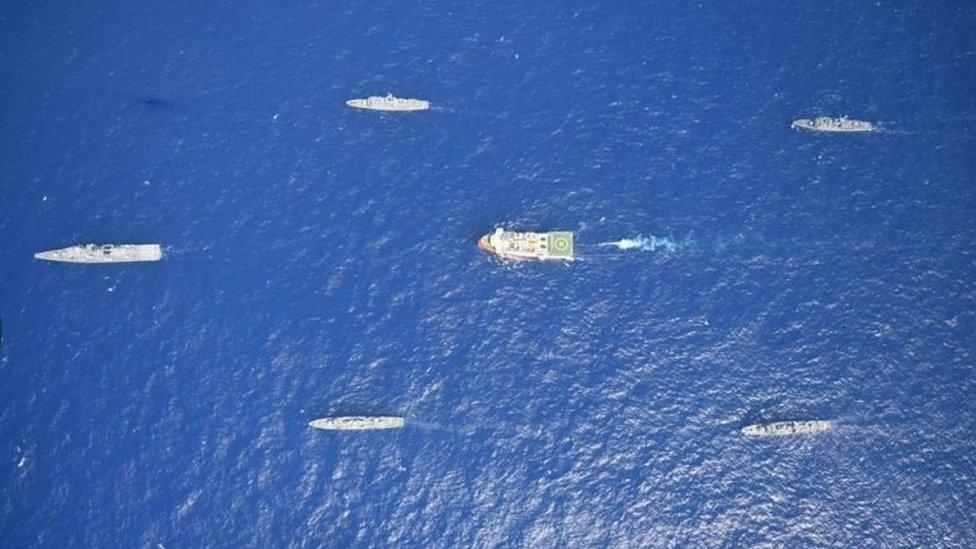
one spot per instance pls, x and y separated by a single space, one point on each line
644 244
430 426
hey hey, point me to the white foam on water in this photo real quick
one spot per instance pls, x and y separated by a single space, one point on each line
429 426
644 244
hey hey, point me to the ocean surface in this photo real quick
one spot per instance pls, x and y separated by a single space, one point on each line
321 260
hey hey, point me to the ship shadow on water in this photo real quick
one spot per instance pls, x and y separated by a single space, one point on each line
150 102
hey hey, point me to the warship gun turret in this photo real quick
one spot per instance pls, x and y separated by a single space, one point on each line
389 103
781 428
105 253
357 423
828 124
518 245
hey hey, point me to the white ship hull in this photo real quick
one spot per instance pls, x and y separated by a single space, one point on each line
783 428
557 245
107 253
389 103
832 125
357 423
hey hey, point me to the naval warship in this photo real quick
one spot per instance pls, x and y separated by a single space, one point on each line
828 124
105 253
389 103
357 423
516 245
780 428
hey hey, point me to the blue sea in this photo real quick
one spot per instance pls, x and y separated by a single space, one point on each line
321 260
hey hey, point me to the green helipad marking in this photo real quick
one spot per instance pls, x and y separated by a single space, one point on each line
561 244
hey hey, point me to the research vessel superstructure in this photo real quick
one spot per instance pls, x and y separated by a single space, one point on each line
529 245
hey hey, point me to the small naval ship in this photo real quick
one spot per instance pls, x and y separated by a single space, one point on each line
828 124
781 428
518 246
105 253
357 423
389 103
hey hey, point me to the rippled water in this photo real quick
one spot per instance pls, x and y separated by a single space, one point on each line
322 261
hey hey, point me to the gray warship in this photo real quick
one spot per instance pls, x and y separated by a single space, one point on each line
105 253
357 423
828 124
781 428
389 103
